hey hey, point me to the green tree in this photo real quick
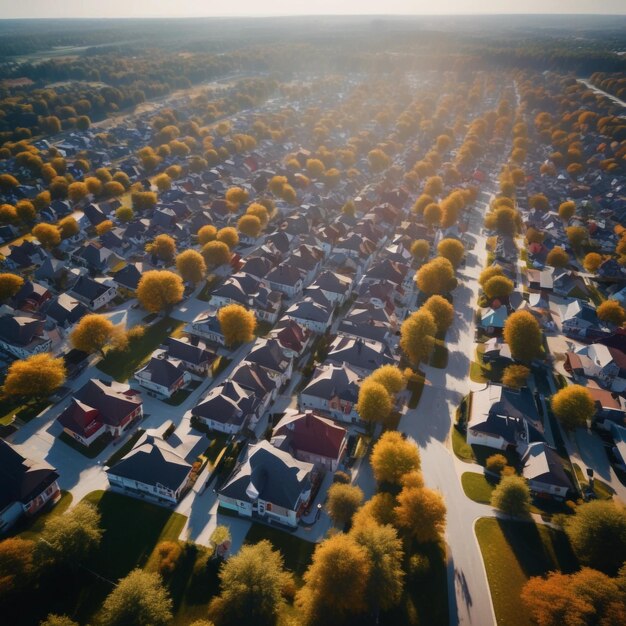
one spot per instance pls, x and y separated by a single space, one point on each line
512 496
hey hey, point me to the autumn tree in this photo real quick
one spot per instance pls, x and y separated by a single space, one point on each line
612 312
451 249
58 620
47 235
592 262
237 324
374 403
573 406
390 377
436 276
393 456
16 565
496 464
595 526
94 332
228 235
191 266
421 513
420 249
37 376
515 376
315 168
432 214
77 191
567 210
488 273
206 233
417 335
498 287
442 312
104 227
557 257
216 253
378 160
349 208
251 586
512 496
124 214
138 598
236 196
69 539
336 581
10 284
159 289
163 246
259 211
584 597
343 502
68 227
8 214
577 236
163 182
249 225
524 336
379 509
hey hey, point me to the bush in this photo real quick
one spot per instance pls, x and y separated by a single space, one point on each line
419 566
496 464
168 554
341 477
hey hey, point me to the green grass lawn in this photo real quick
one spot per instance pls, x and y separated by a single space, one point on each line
31 528
460 446
22 411
477 487
512 553
481 372
122 364
602 490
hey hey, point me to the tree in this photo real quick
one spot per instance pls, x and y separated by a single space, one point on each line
498 287
314 167
420 249
393 456
576 235
249 225
573 406
237 324
77 191
557 257
191 266
168 555
378 160
68 227
229 236
417 335
163 182
251 584
236 196
595 526
163 246
390 377
68 539
349 208
567 210
8 214
35 377
58 620
451 249
374 403
94 332
488 273
258 210
48 235
216 253
124 214
496 464
104 227
10 284
523 334
143 200
432 214
421 512
139 598
436 276
611 311
206 233
336 582
592 262
385 580
515 376
343 502
113 189
512 496
442 312
159 289
16 565
379 509
584 597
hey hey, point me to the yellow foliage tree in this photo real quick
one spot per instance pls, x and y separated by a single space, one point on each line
35 377
237 323
159 289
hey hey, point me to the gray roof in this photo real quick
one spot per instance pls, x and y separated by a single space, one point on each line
228 403
269 354
330 381
362 353
162 371
543 464
269 474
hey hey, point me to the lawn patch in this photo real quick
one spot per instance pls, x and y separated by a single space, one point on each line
477 487
219 365
122 364
30 528
11 408
512 553
481 372
601 489
460 446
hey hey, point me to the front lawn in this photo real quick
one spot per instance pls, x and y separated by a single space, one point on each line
477 487
601 489
122 364
512 553
481 372
10 408
460 446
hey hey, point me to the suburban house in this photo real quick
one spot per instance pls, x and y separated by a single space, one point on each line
255 378
207 326
25 485
152 468
65 310
269 483
543 469
292 337
500 417
287 279
127 279
312 438
610 408
194 356
162 375
333 390
94 293
31 296
605 364
98 408
579 319
364 355
311 315
336 287
23 335
228 408
268 354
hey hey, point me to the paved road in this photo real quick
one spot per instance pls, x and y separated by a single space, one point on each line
611 97
430 425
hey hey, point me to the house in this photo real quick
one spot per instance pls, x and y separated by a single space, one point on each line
193 356
268 354
311 438
292 337
579 319
501 418
269 483
543 469
94 256
311 315
94 293
163 376
253 377
127 279
26 486
207 326
153 468
287 279
540 279
496 349
228 408
493 320
98 408
605 364
610 408
333 390
364 355
23 335
336 287
31 296
506 249
65 310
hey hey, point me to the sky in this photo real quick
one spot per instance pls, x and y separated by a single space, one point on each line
240 8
